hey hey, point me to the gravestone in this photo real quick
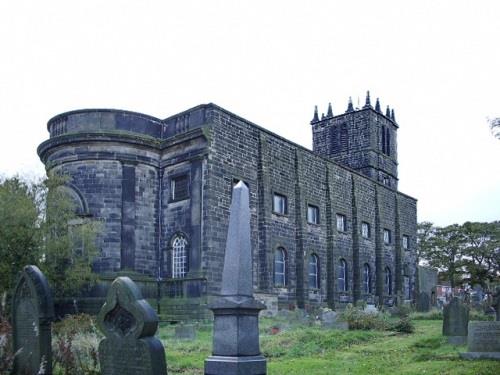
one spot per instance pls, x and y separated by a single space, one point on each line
328 318
185 332
483 340
423 302
455 321
32 316
236 312
496 303
129 324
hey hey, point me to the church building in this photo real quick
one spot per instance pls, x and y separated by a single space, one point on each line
328 226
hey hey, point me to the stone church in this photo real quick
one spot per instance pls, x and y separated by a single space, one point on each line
328 226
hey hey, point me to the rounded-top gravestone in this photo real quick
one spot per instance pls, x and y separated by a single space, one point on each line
129 324
32 316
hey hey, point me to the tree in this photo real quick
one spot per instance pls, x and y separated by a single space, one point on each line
19 229
39 225
463 253
495 126
482 252
425 232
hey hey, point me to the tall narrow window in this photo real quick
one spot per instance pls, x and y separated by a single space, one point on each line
179 187
365 230
406 242
341 223
388 281
367 279
312 214
388 142
279 204
313 272
387 236
280 265
179 257
342 279
383 139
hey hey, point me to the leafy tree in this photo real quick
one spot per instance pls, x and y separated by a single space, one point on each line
39 225
482 252
425 232
19 234
495 126
463 253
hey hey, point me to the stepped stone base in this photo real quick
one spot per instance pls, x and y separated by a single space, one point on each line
251 365
481 355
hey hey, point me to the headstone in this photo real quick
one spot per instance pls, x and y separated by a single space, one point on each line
483 340
236 312
328 318
129 324
455 322
32 316
371 309
185 332
496 303
423 302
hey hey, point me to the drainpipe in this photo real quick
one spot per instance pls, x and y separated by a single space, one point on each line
158 253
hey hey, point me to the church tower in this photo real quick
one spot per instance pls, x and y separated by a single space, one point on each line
363 139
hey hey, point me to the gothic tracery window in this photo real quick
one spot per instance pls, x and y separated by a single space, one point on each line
179 257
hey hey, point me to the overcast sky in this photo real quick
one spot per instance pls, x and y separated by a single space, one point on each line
436 62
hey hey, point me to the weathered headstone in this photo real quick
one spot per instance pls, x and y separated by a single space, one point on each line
496 303
236 312
483 340
455 321
32 316
328 318
185 332
129 324
423 302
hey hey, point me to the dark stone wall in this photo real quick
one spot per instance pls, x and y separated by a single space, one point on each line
125 180
275 165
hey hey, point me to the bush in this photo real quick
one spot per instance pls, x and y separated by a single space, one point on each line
6 350
403 325
402 311
357 318
75 346
434 314
479 315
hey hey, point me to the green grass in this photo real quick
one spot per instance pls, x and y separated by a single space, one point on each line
312 350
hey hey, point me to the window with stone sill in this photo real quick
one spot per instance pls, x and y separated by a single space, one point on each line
313 271
388 281
387 237
179 187
406 242
367 279
365 230
179 257
312 214
280 267
342 276
341 223
280 204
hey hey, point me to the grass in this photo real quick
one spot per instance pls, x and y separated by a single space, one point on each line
312 350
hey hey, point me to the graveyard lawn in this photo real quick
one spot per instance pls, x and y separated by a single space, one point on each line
312 350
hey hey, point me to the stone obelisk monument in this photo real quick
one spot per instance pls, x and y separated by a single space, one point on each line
236 313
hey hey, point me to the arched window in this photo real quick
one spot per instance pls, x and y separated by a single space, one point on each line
343 283
367 279
280 265
313 271
388 281
179 256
